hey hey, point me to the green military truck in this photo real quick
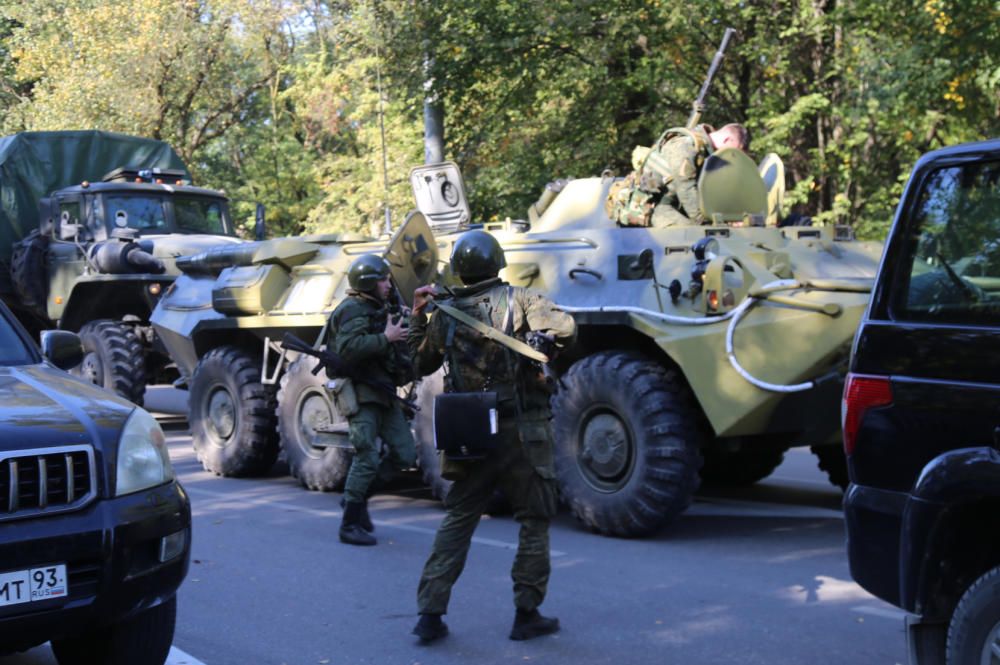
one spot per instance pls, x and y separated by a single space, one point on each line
91 223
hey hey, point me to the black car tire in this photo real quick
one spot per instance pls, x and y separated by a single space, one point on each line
833 462
232 414
975 624
28 271
635 488
143 639
304 404
740 468
113 359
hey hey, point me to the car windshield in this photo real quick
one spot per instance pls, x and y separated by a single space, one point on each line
13 348
200 215
148 214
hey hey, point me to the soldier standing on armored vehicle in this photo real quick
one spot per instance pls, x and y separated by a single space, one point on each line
463 336
363 333
663 189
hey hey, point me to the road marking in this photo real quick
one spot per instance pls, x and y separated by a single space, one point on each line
489 542
729 508
884 612
178 657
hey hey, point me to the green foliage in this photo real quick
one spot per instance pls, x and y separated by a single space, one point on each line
279 101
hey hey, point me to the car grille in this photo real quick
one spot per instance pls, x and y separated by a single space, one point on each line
46 480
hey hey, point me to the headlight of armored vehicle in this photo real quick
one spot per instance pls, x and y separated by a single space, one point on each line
143 461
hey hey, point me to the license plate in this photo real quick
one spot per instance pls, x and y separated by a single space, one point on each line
25 586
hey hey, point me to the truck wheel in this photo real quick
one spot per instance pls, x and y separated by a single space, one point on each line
974 630
113 359
833 462
231 414
304 406
28 271
740 468
628 437
423 429
143 638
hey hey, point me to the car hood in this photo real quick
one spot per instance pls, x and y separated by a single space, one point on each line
41 406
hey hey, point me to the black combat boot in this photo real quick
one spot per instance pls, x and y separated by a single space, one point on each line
529 624
430 628
364 519
351 531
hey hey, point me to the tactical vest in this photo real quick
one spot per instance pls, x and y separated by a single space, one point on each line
631 201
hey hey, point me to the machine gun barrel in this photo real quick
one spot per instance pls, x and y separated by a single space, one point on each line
699 104
212 261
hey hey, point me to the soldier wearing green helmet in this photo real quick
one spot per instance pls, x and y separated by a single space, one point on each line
363 334
521 463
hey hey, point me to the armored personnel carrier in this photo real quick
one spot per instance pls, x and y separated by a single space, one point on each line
90 225
703 351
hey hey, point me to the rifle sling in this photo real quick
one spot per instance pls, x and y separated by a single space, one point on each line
489 332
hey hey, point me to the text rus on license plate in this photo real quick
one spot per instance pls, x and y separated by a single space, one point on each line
24 586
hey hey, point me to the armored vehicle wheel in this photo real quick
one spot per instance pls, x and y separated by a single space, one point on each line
833 462
740 467
113 359
628 438
305 417
232 414
423 429
28 271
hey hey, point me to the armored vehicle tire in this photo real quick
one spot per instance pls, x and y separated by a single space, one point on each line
28 271
628 437
143 638
974 630
113 359
423 429
231 414
304 405
741 467
833 462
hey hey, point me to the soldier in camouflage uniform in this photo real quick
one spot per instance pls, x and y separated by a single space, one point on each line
522 464
363 334
663 189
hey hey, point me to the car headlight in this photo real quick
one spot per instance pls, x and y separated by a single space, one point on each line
143 460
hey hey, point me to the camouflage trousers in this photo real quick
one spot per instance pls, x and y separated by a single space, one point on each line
366 426
533 499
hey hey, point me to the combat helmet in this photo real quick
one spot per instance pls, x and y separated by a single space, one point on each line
477 256
366 271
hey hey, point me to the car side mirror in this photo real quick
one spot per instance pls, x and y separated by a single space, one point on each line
62 348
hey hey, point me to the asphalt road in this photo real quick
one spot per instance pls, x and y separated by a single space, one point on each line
756 575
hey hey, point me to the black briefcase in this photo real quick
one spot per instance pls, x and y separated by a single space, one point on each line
466 425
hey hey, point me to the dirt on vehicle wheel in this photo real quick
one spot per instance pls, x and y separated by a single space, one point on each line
423 429
28 271
232 414
143 638
305 416
113 359
740 468
628 438
974 630
833 462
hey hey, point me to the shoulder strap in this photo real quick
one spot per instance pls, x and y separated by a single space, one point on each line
489 332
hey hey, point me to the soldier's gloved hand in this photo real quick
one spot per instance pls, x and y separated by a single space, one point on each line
395 331
421 298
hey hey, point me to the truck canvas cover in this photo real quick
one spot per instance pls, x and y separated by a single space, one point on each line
34 164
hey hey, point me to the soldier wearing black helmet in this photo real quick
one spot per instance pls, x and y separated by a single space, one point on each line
521 462
363 334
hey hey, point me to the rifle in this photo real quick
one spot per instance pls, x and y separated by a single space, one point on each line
336 367
699 104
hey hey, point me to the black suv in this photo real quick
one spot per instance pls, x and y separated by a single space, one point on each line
95 532
921 413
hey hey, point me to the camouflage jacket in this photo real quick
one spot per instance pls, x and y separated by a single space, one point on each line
357 335
474 363
663 191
